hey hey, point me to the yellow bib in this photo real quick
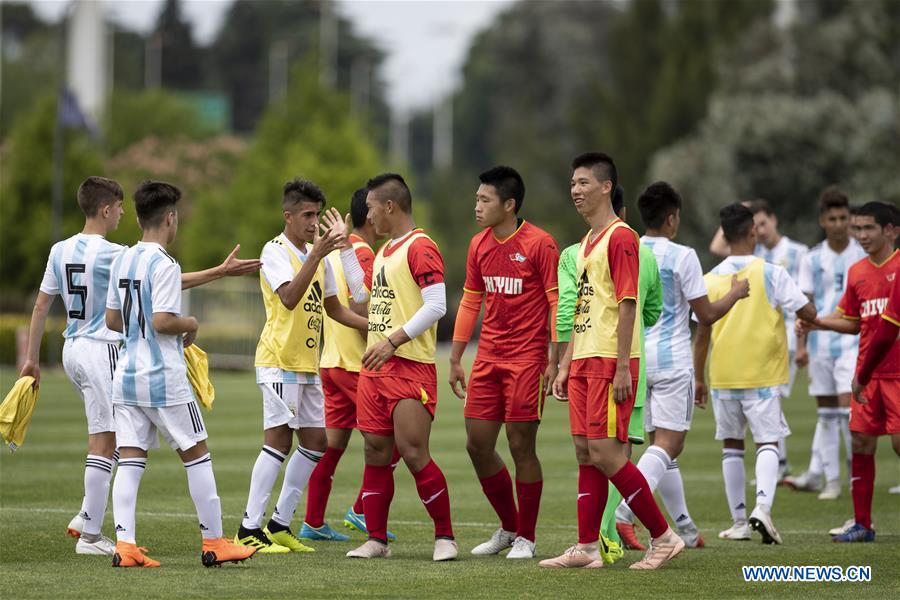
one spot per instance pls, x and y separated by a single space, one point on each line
290 338
597 311
749 344
396 297
343 347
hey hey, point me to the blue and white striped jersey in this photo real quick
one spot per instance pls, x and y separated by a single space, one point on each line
78 270
151 372
787 254
667 345
823 275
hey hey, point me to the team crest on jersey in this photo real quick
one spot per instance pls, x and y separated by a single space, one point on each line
517 257
891 276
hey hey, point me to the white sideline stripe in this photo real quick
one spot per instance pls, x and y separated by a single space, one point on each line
170 515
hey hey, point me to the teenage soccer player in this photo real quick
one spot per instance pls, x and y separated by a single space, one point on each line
297 282
512 265
397 391
78 270
650 303
875 411
832 357
150 391
748 367
670 372
599 371
339 369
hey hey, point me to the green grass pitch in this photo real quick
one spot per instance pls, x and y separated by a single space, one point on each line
41 488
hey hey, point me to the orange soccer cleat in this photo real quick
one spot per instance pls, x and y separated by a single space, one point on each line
130 555
222 550
629 539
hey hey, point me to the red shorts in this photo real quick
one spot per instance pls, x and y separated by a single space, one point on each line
592 411
505 392
339 387
378 393
881 414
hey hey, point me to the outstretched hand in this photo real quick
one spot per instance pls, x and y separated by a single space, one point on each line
332 224
233 266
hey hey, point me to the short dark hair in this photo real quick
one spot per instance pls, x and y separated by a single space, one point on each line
507 182
884 214
657 202
358 208
618 199
301 190
760 205
391 186
153 200
96 192
600 163
737 222
832 197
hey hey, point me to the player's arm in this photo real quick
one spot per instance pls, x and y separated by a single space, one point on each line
353 270
719 245
884 337
344 315
42 305
466 319
624 268
114 320
652 300
560 384
568 298
701 350
232 266
548 265
836 321
709 312
293 291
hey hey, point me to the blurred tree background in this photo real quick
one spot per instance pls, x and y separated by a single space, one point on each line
724 99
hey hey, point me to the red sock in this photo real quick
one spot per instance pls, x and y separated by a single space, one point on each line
319 487
529 495
499 491
593 490
358 505
862 472
377 493
432 487
634 488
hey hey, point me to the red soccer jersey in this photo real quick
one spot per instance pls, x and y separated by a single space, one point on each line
892 310
865 299
366 258
514 275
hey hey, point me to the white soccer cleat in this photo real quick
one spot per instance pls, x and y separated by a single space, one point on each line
805 482
371 549
831 491
521 548
761 522
894 490
740 531
691 536
500 540
76 526
624 514
444 549
848 524
661 550
104 546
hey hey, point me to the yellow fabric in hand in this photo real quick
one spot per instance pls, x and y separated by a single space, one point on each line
16 411
198 374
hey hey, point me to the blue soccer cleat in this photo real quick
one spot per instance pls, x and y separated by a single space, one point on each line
857 533
322 534
357 521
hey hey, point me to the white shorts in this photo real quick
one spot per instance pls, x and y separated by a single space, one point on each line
181 425
734 411
831 376
90 365
293 404
670 400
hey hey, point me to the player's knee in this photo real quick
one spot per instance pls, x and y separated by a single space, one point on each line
895 442
522 449
864 444
415 456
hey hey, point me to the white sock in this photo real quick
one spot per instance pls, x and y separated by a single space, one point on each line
782 451
735 482
265 472
844 415
124 496
653 464
97 475
296 475
830 449
671 488
766 475
202 484
815 455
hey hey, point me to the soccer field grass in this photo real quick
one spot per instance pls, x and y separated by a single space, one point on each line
41 488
